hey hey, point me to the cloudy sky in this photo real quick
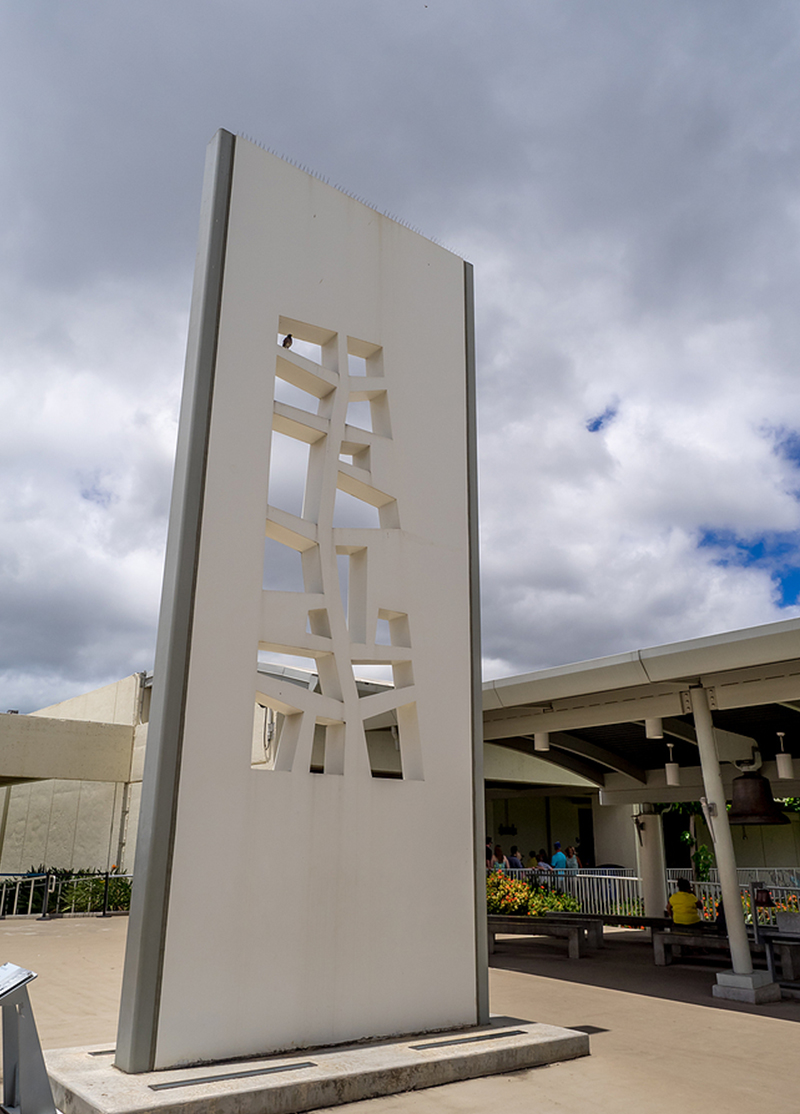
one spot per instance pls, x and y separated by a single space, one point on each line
625 178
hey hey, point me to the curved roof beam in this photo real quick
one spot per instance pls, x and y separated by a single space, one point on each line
599 754
560 758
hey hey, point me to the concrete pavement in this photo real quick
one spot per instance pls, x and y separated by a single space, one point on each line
660 1042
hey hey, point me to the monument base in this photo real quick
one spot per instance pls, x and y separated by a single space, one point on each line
757 987
85 1081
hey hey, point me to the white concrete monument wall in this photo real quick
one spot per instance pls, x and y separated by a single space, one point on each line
281 906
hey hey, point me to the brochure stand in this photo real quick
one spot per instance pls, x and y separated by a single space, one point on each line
26 1087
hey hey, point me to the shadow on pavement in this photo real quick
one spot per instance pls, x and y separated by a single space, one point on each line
625 963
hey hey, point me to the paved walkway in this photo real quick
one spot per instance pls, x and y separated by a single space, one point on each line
660 1042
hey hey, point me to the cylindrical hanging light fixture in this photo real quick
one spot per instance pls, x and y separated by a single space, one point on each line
541 740
672 769
653 729
784 762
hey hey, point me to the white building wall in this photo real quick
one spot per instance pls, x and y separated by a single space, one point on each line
76 824
114 703
615 835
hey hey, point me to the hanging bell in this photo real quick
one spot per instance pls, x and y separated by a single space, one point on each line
752 803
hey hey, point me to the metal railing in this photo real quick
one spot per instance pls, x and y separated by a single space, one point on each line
51 894
769 875
22 895
610 894
621 895
710 893
599 892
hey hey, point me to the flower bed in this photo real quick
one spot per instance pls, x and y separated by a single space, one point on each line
512 897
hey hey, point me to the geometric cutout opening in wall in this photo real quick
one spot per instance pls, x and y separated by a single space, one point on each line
351 513
265 737
356 365
356 594
383 749
318 623
359 415
383 636
305 336
396 622
402 674
393 744
318 750
287 473
372 678
357 481
370 354
295 396
299 661
311 352
343 569
277 725
283 568
327 753
356 454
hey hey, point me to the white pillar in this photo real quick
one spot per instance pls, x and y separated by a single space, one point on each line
723 843
743 983
652 864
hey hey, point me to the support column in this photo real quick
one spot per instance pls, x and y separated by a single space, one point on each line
742 983
652 864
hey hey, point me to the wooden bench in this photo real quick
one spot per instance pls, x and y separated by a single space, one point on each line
575 934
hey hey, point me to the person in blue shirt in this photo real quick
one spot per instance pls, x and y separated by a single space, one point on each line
559 859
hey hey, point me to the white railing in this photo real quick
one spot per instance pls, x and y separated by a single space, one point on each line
710 893
21 895
609 894
616 894
621 895
769 875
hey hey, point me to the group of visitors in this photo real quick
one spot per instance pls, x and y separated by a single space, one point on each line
537 860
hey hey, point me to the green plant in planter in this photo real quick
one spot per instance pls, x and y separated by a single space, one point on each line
702 856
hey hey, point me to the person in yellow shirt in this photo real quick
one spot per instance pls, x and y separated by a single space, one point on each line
685 907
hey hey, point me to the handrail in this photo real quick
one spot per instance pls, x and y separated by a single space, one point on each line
50 894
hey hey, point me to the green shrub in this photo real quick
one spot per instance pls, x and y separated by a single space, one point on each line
506 895
85 895
543 900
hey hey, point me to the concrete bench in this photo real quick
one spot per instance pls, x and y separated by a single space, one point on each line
620 920
785 947
668 944
592 922
789 957
575 934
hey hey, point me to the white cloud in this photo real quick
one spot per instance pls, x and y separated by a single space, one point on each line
624 178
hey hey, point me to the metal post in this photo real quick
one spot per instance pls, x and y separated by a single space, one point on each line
46 899
721 835
105 912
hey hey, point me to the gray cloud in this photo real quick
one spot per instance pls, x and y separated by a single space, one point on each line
622 175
